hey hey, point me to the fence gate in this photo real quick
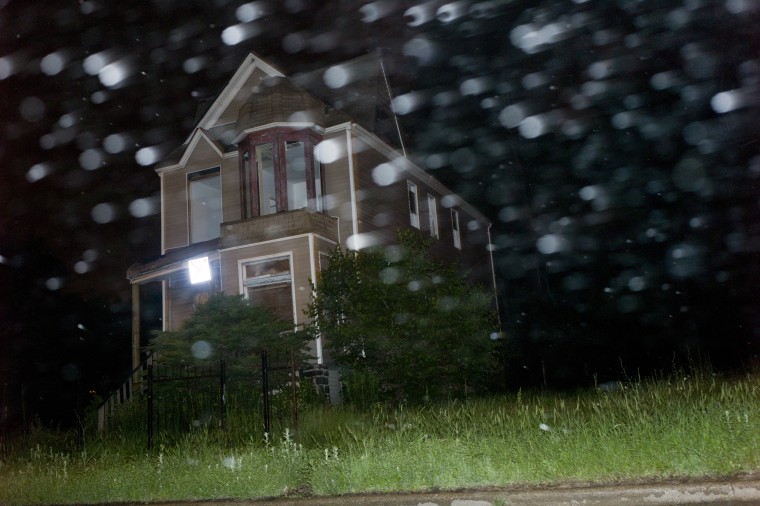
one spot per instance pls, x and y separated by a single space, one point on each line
182 398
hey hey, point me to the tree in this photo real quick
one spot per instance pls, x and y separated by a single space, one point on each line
227 327
412 323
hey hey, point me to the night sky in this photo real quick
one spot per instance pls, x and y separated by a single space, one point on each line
613 144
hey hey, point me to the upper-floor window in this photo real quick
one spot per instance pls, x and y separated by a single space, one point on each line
204 190
279 173
455 229
414 207
432 215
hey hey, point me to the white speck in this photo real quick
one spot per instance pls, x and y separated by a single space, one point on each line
6 68
385 174
238 33
115 143
201 349
81 267
147 156
140 208
37 172
421 48
53 283
90 255
406 103
250 12
337 76
113 74
52 64
91 159
533 126
551 243
94 63
727 101
81 327
103 213
545 427
328 151
512 115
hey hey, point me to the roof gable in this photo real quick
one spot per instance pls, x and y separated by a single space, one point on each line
225 107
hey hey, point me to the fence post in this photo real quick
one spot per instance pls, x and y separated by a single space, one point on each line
223 393
150 406
265 390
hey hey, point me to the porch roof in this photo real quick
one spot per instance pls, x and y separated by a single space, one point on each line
155 267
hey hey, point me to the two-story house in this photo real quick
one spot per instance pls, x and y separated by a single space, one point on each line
273 178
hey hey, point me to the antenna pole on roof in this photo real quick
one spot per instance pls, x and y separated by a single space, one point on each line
393 110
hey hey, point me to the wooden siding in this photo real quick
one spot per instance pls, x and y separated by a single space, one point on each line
337 198
174 220
180 295
383 210
230 114
301 273
231 210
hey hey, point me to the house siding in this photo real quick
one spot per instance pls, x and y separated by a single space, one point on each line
297 246
231 210
338 186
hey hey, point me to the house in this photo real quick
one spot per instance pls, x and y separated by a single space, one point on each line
276 174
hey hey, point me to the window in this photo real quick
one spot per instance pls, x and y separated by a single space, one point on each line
284 175
432 216
205 204
455 229
414 211
268 283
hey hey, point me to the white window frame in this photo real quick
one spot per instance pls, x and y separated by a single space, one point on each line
275 279
414 204
432 215
456 230
200 175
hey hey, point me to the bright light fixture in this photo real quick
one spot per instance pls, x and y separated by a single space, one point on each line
199 270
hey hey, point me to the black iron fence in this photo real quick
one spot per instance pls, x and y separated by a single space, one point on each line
184 398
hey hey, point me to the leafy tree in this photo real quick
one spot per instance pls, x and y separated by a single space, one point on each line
227 327
408 321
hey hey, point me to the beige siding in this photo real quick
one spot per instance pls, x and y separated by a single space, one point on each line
174 219
299 247
338 188
174 193
231 190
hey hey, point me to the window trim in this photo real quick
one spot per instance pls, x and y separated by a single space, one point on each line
433 215
249 172
242 286
414 204
200 175
456 230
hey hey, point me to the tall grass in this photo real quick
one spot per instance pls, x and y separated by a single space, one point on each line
674 427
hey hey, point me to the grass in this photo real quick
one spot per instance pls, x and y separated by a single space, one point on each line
675 427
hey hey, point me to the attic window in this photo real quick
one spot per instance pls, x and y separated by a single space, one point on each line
279 173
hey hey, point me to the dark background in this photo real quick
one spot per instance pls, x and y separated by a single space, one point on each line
613 144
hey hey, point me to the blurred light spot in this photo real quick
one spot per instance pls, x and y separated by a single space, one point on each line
361 241
589 192
445 98
250 11
91 159
67 120
406 103
451 12
115 143
32 109
81 327
534 80
684 260
664 80
512 115
140 208
385 174
551 243
6 68
294 42
337 76
328 151
489 103
201 349
99 97
390 275
414 286
422 49
381 220
533 126
623 120
37 172
87 7
448 201
81 267
194 64
727 101
94 63
147 156
393 253
236 34
526 37
103 213
600 69
463 160
741 6
437 160
90 255
53 283
475 86
544 427
637 283
376 10
52 64
419 15
113 74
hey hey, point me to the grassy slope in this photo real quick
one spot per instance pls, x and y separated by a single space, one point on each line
674 427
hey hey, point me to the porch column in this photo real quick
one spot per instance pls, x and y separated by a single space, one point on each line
135 325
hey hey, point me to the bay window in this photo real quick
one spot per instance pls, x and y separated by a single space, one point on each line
279 173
